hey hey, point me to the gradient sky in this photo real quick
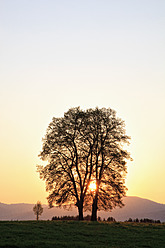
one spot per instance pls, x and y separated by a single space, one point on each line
55 55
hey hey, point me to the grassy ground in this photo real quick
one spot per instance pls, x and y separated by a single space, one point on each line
52 234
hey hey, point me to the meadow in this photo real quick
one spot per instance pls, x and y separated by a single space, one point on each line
50 234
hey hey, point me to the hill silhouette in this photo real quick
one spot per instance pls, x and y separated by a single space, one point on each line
135 207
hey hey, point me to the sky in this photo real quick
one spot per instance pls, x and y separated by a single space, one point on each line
55 55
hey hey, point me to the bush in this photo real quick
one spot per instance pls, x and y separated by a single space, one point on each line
111 219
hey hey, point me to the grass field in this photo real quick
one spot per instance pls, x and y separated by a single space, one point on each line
52 234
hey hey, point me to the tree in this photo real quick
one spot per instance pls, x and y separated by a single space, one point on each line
68 171
84 147
109 158
38 209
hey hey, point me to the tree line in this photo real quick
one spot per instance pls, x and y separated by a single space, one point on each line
145 220
84 148
109 219
87 218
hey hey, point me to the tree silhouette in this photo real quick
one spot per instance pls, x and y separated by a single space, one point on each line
38 209
68 171
84 147
109 157
111 219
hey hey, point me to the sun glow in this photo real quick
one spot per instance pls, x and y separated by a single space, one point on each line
92 186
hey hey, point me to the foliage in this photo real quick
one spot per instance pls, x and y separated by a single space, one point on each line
50 234
38 209
81 147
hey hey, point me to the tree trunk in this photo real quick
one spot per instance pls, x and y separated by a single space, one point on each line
79 204
80 210
37 216
94 209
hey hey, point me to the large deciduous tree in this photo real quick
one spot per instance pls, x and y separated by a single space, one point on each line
81 147
69 170
109 160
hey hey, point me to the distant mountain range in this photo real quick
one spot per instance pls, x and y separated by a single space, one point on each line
135 207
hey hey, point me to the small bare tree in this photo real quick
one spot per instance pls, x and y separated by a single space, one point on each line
38 210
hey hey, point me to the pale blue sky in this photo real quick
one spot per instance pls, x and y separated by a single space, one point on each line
60 54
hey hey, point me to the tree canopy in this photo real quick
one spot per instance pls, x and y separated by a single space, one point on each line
84 147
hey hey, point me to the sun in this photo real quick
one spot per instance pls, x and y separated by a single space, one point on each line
92 186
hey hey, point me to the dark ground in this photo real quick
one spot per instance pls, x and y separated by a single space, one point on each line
52 234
